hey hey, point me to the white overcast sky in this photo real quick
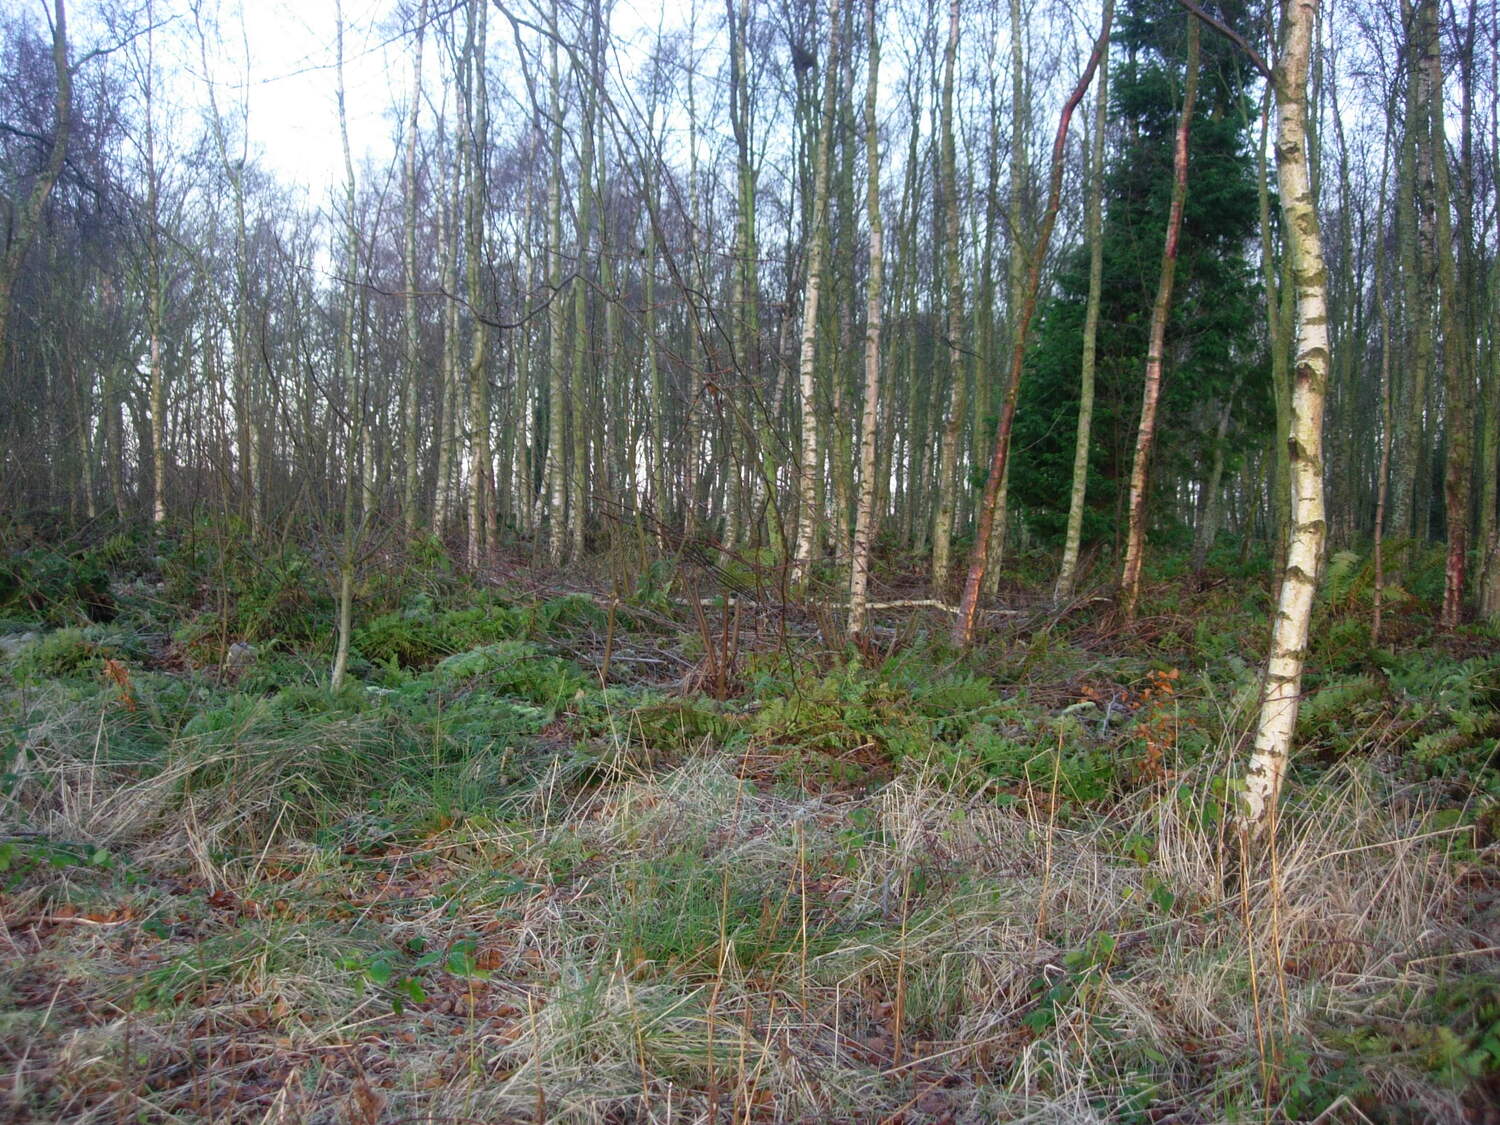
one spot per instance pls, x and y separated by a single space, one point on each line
290 46
293 111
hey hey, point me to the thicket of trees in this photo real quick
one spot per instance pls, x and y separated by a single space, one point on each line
727 284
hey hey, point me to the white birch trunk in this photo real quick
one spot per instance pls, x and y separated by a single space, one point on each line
1283 680
864 520
810 517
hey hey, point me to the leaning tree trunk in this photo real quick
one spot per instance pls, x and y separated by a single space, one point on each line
1145 437
1094 221
968 608
1019 176
1283 680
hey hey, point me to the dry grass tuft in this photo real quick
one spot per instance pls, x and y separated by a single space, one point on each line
693 945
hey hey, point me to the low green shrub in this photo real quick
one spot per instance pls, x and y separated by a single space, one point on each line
76 653
51 587
517 668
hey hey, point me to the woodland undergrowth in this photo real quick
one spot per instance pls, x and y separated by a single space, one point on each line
630 849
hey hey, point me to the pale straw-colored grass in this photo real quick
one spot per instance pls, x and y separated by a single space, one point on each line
694 945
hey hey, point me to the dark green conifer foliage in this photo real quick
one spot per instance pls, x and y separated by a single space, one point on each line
1214 345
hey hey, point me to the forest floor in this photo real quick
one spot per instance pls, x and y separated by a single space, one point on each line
624 853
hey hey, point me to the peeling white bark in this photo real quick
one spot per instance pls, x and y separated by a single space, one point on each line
1281 692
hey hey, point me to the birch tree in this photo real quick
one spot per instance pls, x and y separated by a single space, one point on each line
411 385
556 475
350 375
864 521
476 129
810 517
1282 689
1094 232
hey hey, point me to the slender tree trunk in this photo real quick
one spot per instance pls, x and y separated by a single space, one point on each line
897 461
1020 174
1208 526
692 442
982 308
1457 375
583 344
82 410
345 604
1489 593
411 385
523 487
947 482
660 500
154 282
745 327
864 520
1276 331
810 518
1283 679
1383 474
158 405
352 397
112 388
557 396
1414 195
24 226
247 436
613 389
477 127
1161 310
1094 223
843 370
447 430
968 608
1489 474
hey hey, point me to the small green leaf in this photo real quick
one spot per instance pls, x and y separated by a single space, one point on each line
1040 1020
1163 898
